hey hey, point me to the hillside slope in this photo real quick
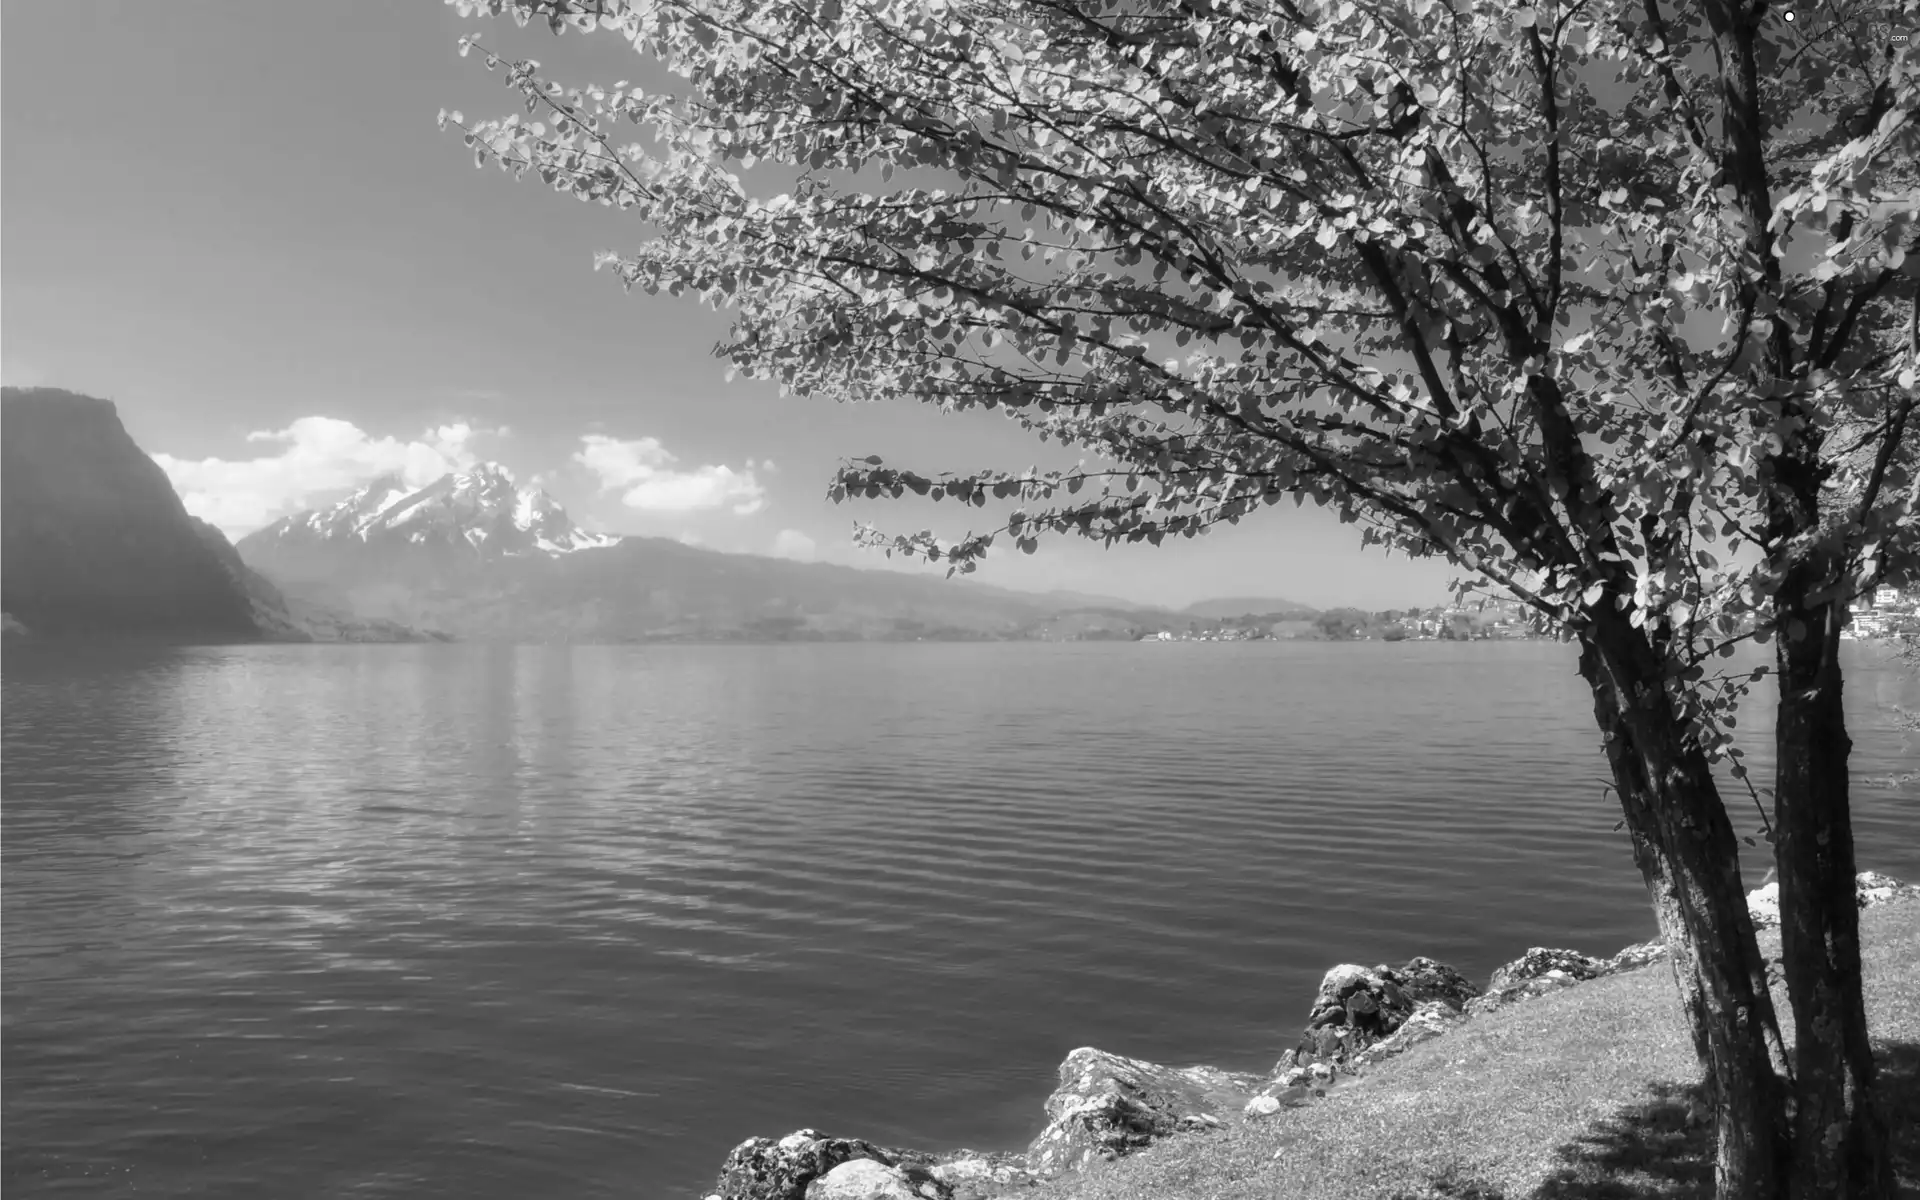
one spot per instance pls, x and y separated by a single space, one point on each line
96 543
95 540
1586 1093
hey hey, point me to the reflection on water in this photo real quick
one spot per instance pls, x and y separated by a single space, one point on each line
555 921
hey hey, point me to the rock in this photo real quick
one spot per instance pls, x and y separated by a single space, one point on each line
1298 1087
1876 889
1637 956
1539 962
1432 1019
1262 1105
1539 971
765 1169
869 1179
974 1175
1107 1106
1423 979
1357 1007
795 1168
1871 888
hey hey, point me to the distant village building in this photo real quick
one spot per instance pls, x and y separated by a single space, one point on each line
1888 610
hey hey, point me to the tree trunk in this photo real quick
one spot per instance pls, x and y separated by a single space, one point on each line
1840 1122
1688 854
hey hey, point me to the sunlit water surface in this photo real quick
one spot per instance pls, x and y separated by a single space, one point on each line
570 922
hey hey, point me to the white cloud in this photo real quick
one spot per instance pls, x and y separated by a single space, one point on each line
643 472
791 543
690 539
314 459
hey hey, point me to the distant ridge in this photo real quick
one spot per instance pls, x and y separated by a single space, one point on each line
478 556
1249 606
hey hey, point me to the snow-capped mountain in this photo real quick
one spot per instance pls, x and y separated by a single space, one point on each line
480 558
481 511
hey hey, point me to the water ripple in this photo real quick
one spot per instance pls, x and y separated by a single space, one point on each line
479 921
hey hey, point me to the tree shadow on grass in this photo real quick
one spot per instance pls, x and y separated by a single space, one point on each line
1659 1149
1900 1082
1662 1147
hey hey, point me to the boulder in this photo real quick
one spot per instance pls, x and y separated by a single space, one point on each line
1876 889
1432 1019
1871 888
869 1179
1526 989
974 1175
1539 962
1357 1007
1539 971
1107 1106
1636 956
765 1169
1297 1087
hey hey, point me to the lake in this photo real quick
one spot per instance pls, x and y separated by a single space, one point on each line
484 921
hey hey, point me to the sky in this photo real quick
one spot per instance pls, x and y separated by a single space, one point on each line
240 223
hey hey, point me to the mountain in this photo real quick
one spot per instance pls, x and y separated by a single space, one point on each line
1248 606
461 519
94 538
96 542
476 555
1096 600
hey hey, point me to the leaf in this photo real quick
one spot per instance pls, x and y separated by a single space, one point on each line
1354 278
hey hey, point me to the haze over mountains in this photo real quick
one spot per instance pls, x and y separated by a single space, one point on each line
1238 606
97 541
481 556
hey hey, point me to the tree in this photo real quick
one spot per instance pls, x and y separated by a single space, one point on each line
1341 623
1610 302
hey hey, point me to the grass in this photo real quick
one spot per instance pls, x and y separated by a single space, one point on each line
1586 1094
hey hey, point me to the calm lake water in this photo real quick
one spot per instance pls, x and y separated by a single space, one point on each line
311 921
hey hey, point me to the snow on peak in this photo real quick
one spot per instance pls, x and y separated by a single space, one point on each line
480 509
486 476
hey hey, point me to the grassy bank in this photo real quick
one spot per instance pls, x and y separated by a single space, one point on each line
1586 1093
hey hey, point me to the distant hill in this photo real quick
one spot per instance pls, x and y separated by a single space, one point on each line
96 542
1244 606
482 557
1096 601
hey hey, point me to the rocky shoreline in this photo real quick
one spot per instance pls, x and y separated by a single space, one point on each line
1107 1106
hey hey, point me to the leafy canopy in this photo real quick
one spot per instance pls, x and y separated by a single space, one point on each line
1494 281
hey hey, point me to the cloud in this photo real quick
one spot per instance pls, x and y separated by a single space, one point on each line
690 539
644 473
314 459
791 543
